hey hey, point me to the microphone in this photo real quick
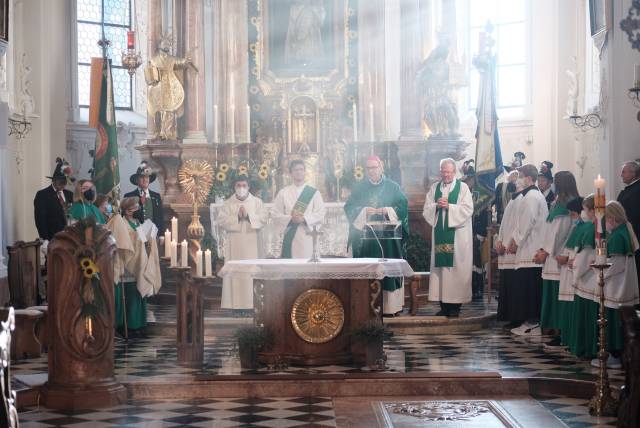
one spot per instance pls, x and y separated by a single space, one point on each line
381 259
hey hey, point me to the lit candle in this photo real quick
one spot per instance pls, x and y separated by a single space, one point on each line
636 76
371 124
207 263
355 122
184 255
174 254
167 243
232 125
215 124
199 263
248 124
599 183
174 229
131 40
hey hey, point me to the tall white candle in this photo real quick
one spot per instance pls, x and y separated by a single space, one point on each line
232 89
248 124
355 122
174 229
207 263
371 124
199 263
599 183
174 254
232 124
216 137
184 255
167 243
636 76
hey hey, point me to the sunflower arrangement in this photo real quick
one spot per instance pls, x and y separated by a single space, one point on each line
358 173
259 176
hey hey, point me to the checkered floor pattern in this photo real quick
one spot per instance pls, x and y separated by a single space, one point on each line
574 412
256 412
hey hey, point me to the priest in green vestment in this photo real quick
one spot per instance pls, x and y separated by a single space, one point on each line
379 198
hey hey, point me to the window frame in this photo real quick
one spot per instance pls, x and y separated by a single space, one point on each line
78 63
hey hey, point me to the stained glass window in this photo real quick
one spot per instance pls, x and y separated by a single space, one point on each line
511 45
114 17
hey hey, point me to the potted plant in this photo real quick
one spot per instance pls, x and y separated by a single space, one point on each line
371 334
252 340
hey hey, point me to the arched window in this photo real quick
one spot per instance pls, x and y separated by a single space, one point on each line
115 17
510 33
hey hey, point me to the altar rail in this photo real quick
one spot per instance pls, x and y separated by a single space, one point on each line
332 243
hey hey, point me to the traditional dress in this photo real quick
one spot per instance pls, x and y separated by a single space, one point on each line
507 261
301 199
529 236
242 242
136 269
81 210
387 194
452 246
556 231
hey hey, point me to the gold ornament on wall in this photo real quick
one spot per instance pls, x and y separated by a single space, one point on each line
317 316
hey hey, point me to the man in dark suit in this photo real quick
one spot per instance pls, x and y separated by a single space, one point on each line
51 203
629 198
149 201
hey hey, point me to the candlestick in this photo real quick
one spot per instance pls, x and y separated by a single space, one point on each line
199 263
216 138
636 76
167 243
131 37
248 124
599 182
232 138
174 229
174 254
184 255
355 122
207 263
371 124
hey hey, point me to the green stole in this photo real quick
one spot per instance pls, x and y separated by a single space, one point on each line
619 242
300 207
557 211
443 234
575 236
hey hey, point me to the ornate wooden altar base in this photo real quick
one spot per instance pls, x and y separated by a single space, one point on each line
312 319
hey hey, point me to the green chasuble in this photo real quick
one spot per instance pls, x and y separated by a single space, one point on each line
300 207
387 193
80 211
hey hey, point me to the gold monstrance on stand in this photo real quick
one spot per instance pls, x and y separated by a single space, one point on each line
196 178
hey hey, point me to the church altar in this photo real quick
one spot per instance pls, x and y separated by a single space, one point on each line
312 308
332 242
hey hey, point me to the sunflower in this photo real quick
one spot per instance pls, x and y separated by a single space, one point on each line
264 167
359 169
358 175
242 170
224 167
85 262
263 174
221 176
89 268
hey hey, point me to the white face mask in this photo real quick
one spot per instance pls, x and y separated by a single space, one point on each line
584 216
242 192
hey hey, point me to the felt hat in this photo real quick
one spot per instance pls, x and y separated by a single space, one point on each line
545 170
62 170
143 170
468 170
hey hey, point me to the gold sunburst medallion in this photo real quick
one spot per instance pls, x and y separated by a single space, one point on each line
317 316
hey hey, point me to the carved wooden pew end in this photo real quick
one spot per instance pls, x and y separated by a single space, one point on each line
42 326
24 343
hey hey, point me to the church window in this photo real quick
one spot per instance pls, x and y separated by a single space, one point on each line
510 33
115 17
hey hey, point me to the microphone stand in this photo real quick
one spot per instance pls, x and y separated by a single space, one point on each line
381 259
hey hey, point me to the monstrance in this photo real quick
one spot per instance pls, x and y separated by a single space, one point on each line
196 178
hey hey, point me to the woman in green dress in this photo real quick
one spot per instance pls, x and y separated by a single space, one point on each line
135 306
83 206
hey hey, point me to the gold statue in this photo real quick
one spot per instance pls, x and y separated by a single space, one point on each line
164 75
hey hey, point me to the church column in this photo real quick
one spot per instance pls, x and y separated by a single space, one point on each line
410 57
193 42
154 19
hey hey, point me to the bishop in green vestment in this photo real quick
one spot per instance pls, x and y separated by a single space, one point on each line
379 198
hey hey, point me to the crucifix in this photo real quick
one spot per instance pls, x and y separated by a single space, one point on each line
315 255
301 116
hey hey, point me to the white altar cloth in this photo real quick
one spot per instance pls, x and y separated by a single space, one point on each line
277 269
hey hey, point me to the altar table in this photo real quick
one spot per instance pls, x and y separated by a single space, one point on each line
312 308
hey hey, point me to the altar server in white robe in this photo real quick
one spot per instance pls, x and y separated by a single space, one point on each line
296 210
241 216
507 262
448 208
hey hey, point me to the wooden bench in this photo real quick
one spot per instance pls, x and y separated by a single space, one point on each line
24 274
42 327
629 411
24 343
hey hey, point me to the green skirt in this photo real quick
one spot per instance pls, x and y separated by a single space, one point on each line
551 310
583 336
136 307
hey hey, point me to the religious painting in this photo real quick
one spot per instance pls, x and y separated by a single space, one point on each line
303 36
4 20
599 12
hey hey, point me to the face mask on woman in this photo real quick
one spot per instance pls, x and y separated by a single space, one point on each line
89 194
584 216
109 209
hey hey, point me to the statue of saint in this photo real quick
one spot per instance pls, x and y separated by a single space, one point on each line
303 43
434 80
165 92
